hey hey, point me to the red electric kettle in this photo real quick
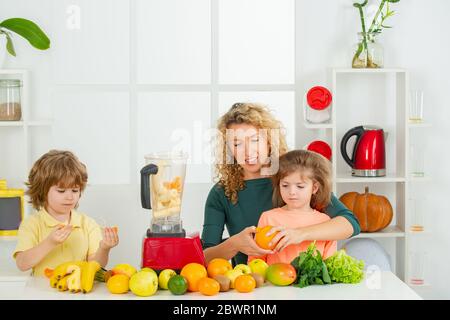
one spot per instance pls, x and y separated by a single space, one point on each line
368 156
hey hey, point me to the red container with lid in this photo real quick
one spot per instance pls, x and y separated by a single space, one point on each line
317 108
320 147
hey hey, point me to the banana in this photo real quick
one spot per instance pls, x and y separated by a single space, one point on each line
88 272
53 281
62 284
74 279
61 270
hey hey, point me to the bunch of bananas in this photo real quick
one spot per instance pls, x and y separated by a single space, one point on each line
76 276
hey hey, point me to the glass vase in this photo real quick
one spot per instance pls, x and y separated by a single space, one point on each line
368 52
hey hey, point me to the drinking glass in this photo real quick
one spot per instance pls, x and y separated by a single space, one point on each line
417 161
416 107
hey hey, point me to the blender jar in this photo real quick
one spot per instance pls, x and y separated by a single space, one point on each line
162 182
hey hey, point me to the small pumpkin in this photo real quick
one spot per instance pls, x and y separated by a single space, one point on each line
374 212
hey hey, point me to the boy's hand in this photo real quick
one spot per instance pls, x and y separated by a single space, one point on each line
110 238
60 235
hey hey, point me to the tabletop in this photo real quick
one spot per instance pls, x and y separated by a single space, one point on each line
383 285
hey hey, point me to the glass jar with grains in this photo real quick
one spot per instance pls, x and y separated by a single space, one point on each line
10 103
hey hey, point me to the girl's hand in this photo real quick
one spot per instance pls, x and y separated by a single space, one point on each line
110 238
244 242
60 235
285 237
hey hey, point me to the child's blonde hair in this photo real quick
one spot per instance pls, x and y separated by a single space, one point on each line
56 167
311 165
230 175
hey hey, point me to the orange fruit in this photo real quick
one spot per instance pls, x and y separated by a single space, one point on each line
208 286
262 240
218 266
48 272
245 283
193 272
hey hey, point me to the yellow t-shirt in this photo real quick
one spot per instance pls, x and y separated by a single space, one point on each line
83 241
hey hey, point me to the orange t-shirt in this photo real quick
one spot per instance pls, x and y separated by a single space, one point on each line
294 219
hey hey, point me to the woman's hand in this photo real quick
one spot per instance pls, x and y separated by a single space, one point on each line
110 238
244 242
60 235
285 237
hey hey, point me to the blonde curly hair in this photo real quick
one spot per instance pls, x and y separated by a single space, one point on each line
56 167
229 173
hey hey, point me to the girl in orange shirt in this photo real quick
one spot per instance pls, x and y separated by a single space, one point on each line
302 188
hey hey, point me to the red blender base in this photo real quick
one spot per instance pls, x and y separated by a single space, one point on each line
171 253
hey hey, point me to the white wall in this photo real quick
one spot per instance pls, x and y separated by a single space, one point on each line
102 81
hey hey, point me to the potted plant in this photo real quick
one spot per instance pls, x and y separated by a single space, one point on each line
368 53
25 28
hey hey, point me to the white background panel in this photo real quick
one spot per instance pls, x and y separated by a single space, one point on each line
96 127
176 122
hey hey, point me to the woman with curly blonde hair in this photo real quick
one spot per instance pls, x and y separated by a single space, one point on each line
251 141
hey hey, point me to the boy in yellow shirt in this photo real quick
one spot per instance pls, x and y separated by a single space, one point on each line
57 233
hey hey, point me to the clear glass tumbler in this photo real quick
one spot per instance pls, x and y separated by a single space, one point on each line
416 107
417 156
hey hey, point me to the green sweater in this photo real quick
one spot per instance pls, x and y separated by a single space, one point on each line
252 202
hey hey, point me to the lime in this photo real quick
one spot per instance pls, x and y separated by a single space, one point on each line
177 285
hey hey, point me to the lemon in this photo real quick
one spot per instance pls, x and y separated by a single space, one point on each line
118 284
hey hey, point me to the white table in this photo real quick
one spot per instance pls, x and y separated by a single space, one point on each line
384 285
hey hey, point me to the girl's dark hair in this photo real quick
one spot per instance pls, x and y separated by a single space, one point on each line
312 165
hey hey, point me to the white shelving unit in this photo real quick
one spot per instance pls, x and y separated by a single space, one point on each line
395 122
394 117
16 170
390 113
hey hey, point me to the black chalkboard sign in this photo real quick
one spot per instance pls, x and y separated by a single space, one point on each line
10 213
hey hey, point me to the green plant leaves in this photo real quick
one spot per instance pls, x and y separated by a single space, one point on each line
310 268
28 30
10 45
360 5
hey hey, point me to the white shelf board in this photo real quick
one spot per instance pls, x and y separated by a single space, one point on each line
420 179
388 232
39 123
419 125
419 233
318 125
347 178
417 286
369 70
11 123
13 71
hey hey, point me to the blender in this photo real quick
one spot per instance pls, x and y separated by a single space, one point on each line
166 245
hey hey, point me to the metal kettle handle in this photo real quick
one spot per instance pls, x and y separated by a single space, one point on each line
145 184
356 131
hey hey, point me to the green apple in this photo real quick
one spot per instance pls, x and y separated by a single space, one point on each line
259 266
232 275
144 283
244 268
164 277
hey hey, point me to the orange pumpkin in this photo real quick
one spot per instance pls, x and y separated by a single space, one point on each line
374 212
